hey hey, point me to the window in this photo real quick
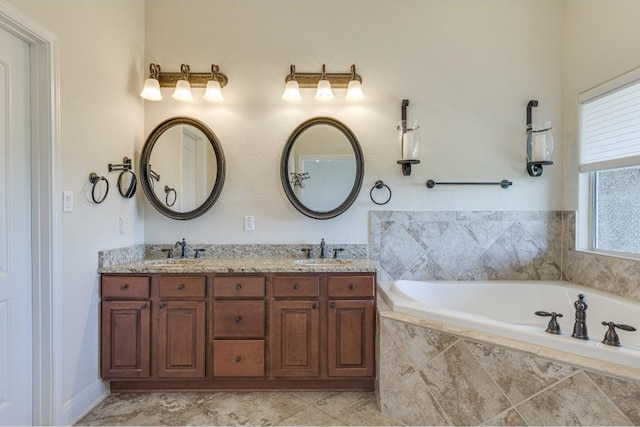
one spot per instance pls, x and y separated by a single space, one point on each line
610 154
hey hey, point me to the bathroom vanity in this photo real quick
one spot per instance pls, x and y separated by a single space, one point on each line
238 324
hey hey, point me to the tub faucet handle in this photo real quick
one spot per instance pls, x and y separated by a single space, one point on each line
553 327
611 336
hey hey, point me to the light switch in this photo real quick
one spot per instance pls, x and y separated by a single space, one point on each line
67 201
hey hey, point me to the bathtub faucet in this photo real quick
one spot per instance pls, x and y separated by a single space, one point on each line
611 336
580 327
553 327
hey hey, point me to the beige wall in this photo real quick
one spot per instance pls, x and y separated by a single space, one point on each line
468 68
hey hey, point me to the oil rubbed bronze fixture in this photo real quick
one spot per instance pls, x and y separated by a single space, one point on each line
183 82
324 83
127 181
409 140
540 143
95 180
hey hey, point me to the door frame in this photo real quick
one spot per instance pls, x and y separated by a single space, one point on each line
45 215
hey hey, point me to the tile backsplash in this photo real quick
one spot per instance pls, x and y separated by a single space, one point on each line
466 245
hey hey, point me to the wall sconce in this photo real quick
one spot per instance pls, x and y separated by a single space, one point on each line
540 143
183 82
324 83
409 140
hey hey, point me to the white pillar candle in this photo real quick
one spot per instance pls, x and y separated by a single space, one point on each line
539 147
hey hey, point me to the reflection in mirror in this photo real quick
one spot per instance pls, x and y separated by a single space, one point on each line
182 155
322 168
185 161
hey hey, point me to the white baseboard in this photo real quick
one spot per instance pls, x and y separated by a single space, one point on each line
81 403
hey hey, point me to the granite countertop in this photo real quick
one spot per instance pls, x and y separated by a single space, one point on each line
242 265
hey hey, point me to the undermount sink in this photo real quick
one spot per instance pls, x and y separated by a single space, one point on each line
171 262
322 261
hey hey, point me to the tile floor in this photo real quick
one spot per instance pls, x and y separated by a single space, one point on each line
239 408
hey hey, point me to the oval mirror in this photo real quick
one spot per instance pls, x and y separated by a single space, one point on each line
322 168
182 168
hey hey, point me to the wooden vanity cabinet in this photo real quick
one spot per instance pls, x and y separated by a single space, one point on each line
293 331
181 326
340 315
295 346
239 318
125 349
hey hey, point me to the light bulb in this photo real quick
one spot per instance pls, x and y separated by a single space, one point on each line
183 91
292 91
151 90
213 93
354 91
324 92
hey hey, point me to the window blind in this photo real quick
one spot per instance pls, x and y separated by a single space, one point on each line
610 116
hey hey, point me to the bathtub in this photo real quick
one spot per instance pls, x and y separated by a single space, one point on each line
507 309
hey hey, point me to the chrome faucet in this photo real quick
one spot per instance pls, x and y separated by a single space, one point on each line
183 251
323 249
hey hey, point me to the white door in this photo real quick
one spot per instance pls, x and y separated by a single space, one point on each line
15 234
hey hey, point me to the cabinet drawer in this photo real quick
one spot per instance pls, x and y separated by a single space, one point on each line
350 286
296 286
182 286
238 319
125 287
238 286
238 358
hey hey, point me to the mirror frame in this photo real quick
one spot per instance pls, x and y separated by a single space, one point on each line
145 157
284 168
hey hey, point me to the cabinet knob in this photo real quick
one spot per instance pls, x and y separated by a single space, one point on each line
238 287
143 306
238 359
296 287
123 287
314 306
332 305
181 286
352 286
162 305
238 319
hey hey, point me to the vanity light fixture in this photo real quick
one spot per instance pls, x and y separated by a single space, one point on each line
540 143
183 81
213 93
409 140
183 87
151 90
323 90
324 83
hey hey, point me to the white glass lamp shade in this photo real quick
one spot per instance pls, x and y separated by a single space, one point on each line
540 143
292 91
323 91
409 139
183 91
213 92
151 90
354 91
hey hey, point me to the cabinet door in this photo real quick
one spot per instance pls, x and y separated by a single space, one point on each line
181 339
351 338
125 339
296 334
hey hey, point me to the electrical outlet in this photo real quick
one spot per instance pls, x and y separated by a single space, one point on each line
249 223
123 225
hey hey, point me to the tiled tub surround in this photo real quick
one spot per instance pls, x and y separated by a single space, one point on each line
449 245
436 374
136 253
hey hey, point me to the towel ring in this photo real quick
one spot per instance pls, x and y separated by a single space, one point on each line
168 190
378 185
95 180
133 184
